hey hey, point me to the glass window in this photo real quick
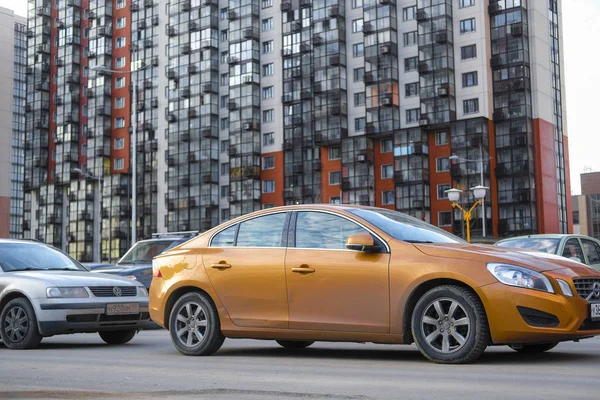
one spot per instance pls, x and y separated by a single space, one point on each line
335 200
119 122
441 138
410 63
412 116
468 52
467 25
441 191
358 50
268 115
315 230
268 92
224 169
465 3
265 231
224 215
267 24
224 123
357 25
359 99
573 249
471 106
225 238
268 47
120 62
592 251
357 3
266 3
359 124
18 256
410 38
120 102
408 13
335 178
224 191
119 143
223 12
268 162
335 153
387 197
546 245
411 89
120 82
442 164
268 186
387 171
387 145
121 22
268 69
268 138
119 163
445 218
469 79
121 42
359 74
121 4
224 79
223 35
224 146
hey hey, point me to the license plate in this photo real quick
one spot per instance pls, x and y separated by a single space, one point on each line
595 311
122 308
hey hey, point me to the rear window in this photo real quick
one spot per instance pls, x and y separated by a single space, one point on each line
545 245
144 252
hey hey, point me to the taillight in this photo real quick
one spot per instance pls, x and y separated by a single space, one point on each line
156 270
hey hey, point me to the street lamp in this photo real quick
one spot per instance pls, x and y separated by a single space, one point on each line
454 196
100 68
97 241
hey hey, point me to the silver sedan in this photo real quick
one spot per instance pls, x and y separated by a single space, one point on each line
44 292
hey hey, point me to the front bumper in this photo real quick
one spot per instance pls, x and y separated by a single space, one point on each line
61 316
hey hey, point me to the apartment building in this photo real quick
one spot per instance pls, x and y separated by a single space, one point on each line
239 105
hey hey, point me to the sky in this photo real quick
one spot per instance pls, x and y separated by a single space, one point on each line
581 32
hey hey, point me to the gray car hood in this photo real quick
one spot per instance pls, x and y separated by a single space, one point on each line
77 278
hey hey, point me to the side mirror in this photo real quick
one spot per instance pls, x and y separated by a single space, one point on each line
361 242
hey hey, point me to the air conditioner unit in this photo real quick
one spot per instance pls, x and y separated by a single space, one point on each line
361 157
385 49
386 101
248 126
248 79
424 121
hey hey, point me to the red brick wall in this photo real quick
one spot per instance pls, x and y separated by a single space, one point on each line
4 216
546 180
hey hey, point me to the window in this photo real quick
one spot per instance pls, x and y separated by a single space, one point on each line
268 69
573 249
268 187
357 25
441 191
267 47
359 74
359 99
410 63
410 38
441 138
121 4
411 89
266 206
592 251
223 35
467 25
268 115
119 143
120 62
224 79
121 42
224 238
335 153
121 22
412 115
224 101
268 138
387 145
442 164
471 106
119 163
225 214
387 171
409 13
224 146
119 122
224 169
358 50
223 13
267 24
315 230
120 102
265 231
268 92
120 82
445 218
266 3
335 178
224 57
268 162
335 200
469 79
465 3
357 3
387 197
224 123
224 191
468 52
359 124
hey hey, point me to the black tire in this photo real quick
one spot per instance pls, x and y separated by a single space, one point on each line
471 327
294 344
533 348
27 335
204 326
117 337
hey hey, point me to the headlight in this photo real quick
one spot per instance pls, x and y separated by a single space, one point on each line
564 286
131 277
142 292
520 277
68 292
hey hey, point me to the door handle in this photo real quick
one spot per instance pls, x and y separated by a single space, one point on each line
221 266
303 270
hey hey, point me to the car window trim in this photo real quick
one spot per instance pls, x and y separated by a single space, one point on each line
237 230
581 240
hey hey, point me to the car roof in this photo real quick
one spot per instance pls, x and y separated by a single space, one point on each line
24 241
547 236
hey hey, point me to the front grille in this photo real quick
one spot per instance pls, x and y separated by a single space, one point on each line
109 291
108 318
584 287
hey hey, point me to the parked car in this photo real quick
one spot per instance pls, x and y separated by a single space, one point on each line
576 247
137 262
299 274
44 292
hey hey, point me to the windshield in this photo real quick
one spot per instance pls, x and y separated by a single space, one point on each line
404 227
144 252
540 244
35 257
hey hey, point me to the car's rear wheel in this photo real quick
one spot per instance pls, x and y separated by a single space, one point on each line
18 325
194 325
294 344
117 337
533 348
449 325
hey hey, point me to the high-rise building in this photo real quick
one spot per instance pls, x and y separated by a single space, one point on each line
12 121
238 105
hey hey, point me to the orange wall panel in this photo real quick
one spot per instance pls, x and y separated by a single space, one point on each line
277 175
493 230
382 185
568 185
545 176
328 166
438 178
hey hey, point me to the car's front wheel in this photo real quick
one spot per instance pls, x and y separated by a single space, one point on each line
533 348
195 326
117 337
294 344
449 325
18 325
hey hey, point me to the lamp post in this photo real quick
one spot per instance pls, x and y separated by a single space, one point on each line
454 195
100 68
97 241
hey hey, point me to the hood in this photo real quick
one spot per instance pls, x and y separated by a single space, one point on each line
534 260
76 278
123 270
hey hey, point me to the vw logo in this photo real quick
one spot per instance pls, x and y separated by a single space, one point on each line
118 292
596 290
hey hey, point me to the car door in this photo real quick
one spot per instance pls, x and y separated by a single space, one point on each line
592 252
572 249
245 264
331 288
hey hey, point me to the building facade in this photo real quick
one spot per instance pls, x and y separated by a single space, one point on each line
586 206
239 105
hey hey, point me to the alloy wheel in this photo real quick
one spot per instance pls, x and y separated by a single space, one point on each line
16 324
445 325
191 324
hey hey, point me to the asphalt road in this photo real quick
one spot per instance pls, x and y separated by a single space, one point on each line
82 367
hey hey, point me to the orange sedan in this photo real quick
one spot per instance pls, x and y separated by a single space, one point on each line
300 274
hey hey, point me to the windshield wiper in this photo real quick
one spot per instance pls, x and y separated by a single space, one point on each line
27 269
418 241
63 269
